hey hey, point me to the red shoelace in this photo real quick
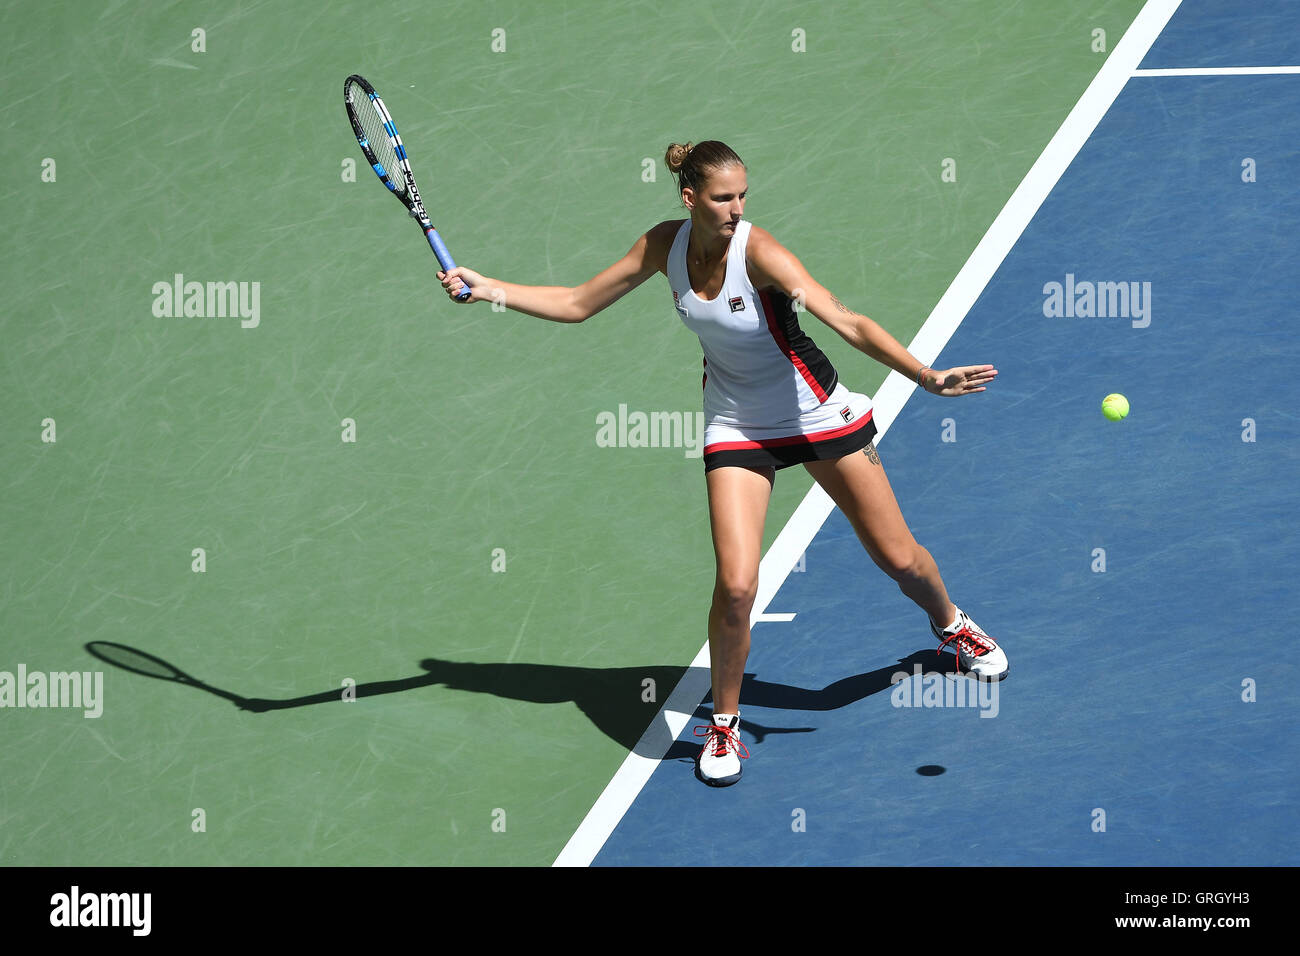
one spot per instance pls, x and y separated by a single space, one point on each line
721 739
975 645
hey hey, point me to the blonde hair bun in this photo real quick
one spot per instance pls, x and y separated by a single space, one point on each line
675 156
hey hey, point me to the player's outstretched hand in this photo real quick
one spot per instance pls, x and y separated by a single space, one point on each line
961 380
460 277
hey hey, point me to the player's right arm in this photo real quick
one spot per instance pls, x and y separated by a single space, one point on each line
571 304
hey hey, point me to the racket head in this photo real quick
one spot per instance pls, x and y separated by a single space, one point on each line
382 146
377 137
136 661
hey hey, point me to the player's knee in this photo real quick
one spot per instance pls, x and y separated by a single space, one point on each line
734 595
902 562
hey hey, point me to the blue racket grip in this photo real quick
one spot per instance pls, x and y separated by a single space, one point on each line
444 258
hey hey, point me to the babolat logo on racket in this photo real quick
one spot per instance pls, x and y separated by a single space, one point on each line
738 304
846 414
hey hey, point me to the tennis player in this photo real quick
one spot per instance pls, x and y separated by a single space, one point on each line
771 400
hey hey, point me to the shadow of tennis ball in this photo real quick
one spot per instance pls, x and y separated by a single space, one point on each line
930 770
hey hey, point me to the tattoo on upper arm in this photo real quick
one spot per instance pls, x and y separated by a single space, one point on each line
870 452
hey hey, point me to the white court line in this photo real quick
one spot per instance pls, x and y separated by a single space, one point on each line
769 618
1221 71
816 507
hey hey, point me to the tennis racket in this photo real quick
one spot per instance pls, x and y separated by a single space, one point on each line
382 146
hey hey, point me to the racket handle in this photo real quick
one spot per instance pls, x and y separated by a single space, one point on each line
444 257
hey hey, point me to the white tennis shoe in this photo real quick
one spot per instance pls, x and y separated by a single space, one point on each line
719 761
977 653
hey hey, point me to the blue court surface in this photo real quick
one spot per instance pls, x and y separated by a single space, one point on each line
1157 695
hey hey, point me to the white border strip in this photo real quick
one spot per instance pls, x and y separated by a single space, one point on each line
816 507
1221 71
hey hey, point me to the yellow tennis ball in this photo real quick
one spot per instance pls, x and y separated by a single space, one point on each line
1114 406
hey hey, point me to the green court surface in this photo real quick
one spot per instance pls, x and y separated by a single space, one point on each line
496 583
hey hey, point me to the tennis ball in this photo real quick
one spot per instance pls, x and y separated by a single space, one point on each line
1114 406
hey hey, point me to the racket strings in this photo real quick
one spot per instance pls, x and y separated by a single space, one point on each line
381 144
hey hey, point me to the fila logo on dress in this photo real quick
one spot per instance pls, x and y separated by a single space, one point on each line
738 304
846 413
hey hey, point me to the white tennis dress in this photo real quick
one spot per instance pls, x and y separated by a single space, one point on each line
771 398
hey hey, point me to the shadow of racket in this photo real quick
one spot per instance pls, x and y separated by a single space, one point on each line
147 665
138 662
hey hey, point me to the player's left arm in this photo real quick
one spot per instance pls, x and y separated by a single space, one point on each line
773 266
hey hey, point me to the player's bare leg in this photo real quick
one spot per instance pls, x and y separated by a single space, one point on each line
738 499
858 486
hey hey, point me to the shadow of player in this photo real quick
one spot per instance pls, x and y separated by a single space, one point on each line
619 701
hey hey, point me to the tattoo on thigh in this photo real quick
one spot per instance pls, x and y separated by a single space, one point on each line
870 452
